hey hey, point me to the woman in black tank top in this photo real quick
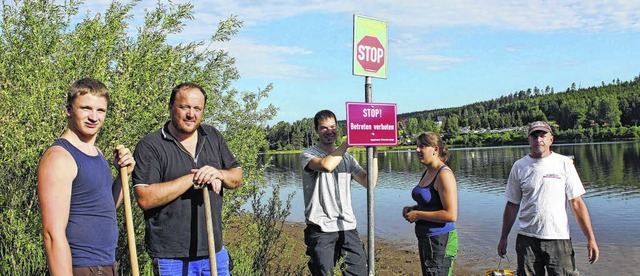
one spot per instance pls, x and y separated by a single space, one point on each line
436 210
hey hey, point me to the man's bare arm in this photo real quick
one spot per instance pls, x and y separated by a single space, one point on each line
56 172
581 213
329 162
508 219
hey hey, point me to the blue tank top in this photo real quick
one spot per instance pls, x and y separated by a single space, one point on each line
92 229
428 199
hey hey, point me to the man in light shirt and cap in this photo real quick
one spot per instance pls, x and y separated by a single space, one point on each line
539 186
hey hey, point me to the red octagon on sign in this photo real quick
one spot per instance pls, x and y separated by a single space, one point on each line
370 54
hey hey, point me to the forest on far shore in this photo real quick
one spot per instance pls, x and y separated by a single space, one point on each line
608 112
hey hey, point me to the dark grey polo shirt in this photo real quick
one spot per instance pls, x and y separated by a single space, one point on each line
178 229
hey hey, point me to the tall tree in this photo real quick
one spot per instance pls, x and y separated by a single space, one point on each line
451 127
413 128
608 111
279 135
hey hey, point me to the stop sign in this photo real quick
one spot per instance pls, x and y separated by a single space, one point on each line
370 54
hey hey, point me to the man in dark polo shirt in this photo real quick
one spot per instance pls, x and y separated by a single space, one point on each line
173 159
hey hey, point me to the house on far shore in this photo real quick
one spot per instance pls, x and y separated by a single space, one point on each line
439 121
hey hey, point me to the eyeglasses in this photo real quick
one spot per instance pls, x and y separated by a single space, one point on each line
325 128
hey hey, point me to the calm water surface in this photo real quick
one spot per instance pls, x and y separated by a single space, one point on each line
609 171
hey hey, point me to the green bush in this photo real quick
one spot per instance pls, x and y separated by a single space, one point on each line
263 250
43 53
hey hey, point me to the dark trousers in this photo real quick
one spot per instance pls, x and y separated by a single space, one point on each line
535 255
326 248
437 253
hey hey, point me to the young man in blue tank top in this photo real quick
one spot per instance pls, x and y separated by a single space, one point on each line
76 191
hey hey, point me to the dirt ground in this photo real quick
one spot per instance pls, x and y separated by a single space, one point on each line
391 258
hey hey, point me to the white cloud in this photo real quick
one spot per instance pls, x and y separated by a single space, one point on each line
266 61
531 16
416 52
515 48
411 21
517 15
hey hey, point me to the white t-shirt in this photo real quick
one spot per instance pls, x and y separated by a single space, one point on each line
542 187
327 196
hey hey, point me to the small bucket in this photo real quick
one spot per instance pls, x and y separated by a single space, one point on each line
499 272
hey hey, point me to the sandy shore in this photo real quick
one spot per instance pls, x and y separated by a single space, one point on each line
474 257
391 258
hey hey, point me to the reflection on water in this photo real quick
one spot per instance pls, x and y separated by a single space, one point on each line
610 172
607 169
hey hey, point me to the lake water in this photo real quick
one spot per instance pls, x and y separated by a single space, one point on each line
610 173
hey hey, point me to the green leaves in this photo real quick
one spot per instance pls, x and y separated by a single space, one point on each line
43 54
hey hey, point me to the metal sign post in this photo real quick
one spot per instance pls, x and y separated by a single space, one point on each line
370 189
370 59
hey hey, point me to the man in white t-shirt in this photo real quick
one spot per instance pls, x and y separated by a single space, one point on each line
539 186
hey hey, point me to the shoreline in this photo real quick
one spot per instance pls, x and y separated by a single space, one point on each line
394 257
391 257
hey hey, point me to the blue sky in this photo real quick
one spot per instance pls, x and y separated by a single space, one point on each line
441 53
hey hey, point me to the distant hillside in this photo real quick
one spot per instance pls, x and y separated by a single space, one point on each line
614 104
575 114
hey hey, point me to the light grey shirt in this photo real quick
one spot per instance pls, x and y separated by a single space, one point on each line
327 196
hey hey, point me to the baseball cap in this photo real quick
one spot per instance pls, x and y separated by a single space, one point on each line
539 126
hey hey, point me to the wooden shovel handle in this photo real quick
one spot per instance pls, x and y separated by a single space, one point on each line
131 238
210 239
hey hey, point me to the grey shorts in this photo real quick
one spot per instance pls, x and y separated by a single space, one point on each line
537 255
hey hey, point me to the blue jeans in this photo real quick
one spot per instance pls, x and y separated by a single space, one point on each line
192 266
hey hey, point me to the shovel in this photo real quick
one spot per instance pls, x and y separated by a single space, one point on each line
131 238
210 239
